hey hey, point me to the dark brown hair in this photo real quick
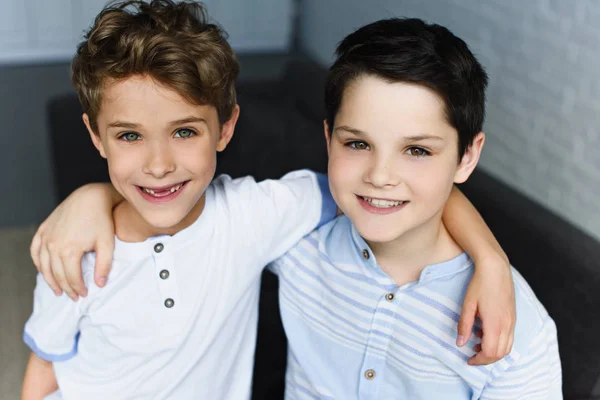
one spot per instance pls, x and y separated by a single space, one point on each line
412 51
173 43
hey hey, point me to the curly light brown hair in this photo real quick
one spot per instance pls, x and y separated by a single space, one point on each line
173 43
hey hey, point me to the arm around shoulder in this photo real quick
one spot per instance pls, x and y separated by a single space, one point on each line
289 208
82 222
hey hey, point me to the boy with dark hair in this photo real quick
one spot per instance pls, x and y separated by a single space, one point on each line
376 293
178 319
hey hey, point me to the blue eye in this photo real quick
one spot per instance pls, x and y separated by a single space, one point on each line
130 137
418 152
184 133
357 145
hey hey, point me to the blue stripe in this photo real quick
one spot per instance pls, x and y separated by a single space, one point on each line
451 348
322 257
29 341
372 311
517 386
373 331
325 285
328 206
435 304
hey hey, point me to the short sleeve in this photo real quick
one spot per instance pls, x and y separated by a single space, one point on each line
536 374
287 209
52 330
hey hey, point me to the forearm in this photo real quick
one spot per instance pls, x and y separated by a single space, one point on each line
39 379
105 190
469 230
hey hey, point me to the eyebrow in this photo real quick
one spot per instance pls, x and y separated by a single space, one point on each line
132 125
414 138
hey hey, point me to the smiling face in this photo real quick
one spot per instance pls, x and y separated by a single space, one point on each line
393 158
161 150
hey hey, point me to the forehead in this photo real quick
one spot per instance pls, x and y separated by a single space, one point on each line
143 98
140 89
372 104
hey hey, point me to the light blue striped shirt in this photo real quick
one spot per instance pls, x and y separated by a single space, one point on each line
354 334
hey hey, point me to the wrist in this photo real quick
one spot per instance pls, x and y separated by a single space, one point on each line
492 257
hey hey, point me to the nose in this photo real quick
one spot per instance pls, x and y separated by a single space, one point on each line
382 172
159 161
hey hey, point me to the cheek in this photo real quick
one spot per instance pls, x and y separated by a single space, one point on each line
344 167
201 160
432 180
124 165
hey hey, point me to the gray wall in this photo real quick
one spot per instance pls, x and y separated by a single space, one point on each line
28 188
543 57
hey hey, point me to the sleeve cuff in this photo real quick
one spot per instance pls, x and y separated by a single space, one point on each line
328 206
29 341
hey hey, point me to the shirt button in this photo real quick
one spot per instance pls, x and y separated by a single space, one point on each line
390 297
169 303
164 274
158 247
365 254
370 374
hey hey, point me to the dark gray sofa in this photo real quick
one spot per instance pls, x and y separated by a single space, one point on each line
280 129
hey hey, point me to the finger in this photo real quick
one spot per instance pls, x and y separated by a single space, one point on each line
104 256
466 321
34 250
489 347
46 271
59 275
502 343
71 262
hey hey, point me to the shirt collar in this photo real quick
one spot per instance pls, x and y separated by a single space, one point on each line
136 250
350 247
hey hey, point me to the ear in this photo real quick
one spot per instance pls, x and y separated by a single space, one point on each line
95 137
327 134
470 159
227 129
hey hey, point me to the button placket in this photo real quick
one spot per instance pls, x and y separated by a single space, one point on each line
372 364
167 286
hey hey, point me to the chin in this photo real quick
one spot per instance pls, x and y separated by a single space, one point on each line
377 233
163 221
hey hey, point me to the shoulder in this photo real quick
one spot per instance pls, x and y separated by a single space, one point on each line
329 239
532 317
226 183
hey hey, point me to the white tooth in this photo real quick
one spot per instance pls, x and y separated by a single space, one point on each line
382 203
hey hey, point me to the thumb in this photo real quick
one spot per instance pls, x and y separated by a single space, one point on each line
104 257
466 321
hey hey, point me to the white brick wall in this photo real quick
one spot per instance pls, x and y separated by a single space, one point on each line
543 57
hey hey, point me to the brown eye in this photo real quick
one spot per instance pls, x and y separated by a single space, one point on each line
418 152
358 145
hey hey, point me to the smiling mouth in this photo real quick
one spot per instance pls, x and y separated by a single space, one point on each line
163 191
382 203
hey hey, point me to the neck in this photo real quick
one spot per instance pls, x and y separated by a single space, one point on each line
130 226
406 256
